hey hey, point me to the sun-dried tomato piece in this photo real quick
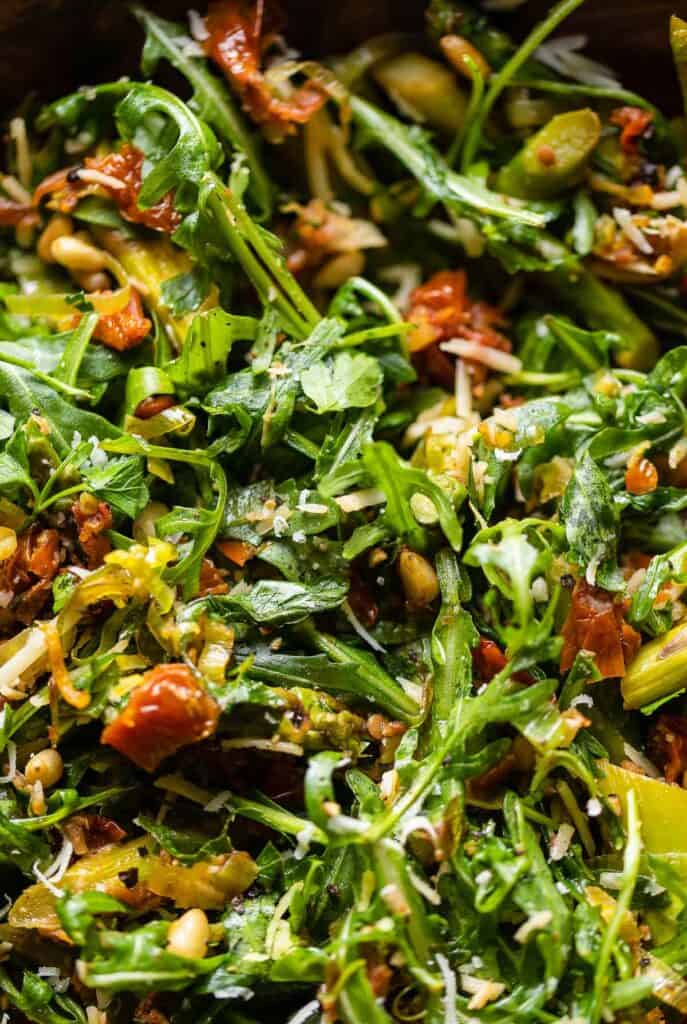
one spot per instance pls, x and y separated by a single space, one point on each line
595 623
147 1013
362 601
641 476
211 579
667 746
42 553
237 36
125 329
488 659
12 214
153 406
441 309
91 832
67 187
92 526
633 122
169 710
26 576
237 551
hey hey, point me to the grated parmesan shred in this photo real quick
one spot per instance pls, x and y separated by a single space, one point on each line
11 763
55 871
355 501
627 225
360 629
560 844
535 923
494 358
450 989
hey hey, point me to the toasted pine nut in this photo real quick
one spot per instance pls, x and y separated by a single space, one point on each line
74 254
95 281
419 580
45 767
339 269
57 227
8 543
456 49
188 936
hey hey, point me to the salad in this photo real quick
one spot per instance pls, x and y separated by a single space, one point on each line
343 534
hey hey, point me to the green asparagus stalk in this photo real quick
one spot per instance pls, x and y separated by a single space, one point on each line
553 159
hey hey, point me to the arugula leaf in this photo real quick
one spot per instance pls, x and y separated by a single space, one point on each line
20 847
207 346
203 525
186 846
184 293
24 394
178 162
591 524
345 382
273 602
15 478
121 483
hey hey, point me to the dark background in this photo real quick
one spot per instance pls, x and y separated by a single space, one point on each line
54 45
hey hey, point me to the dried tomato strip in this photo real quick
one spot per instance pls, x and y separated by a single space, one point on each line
169 710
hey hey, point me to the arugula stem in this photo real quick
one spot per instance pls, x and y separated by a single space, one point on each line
67 370
221 201
57 385
476 94
372 334
631 862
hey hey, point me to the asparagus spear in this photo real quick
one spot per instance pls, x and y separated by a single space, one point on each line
678 42
659 669
553 159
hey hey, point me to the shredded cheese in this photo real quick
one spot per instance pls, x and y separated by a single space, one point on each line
407 276
423 887
355 501
450 989
494 358
636 756
360 629
197 26
535 923
55 871
562 55
277 746
627 225
33 647
482 990
560 844
11 762
305 1013
217 802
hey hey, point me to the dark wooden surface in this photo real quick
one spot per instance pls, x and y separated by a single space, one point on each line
54 45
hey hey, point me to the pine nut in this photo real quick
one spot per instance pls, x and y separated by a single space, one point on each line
74 254
188 936
58 227
8 543
95 281
45 767
419 580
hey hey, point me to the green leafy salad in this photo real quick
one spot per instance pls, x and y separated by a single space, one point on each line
343 534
